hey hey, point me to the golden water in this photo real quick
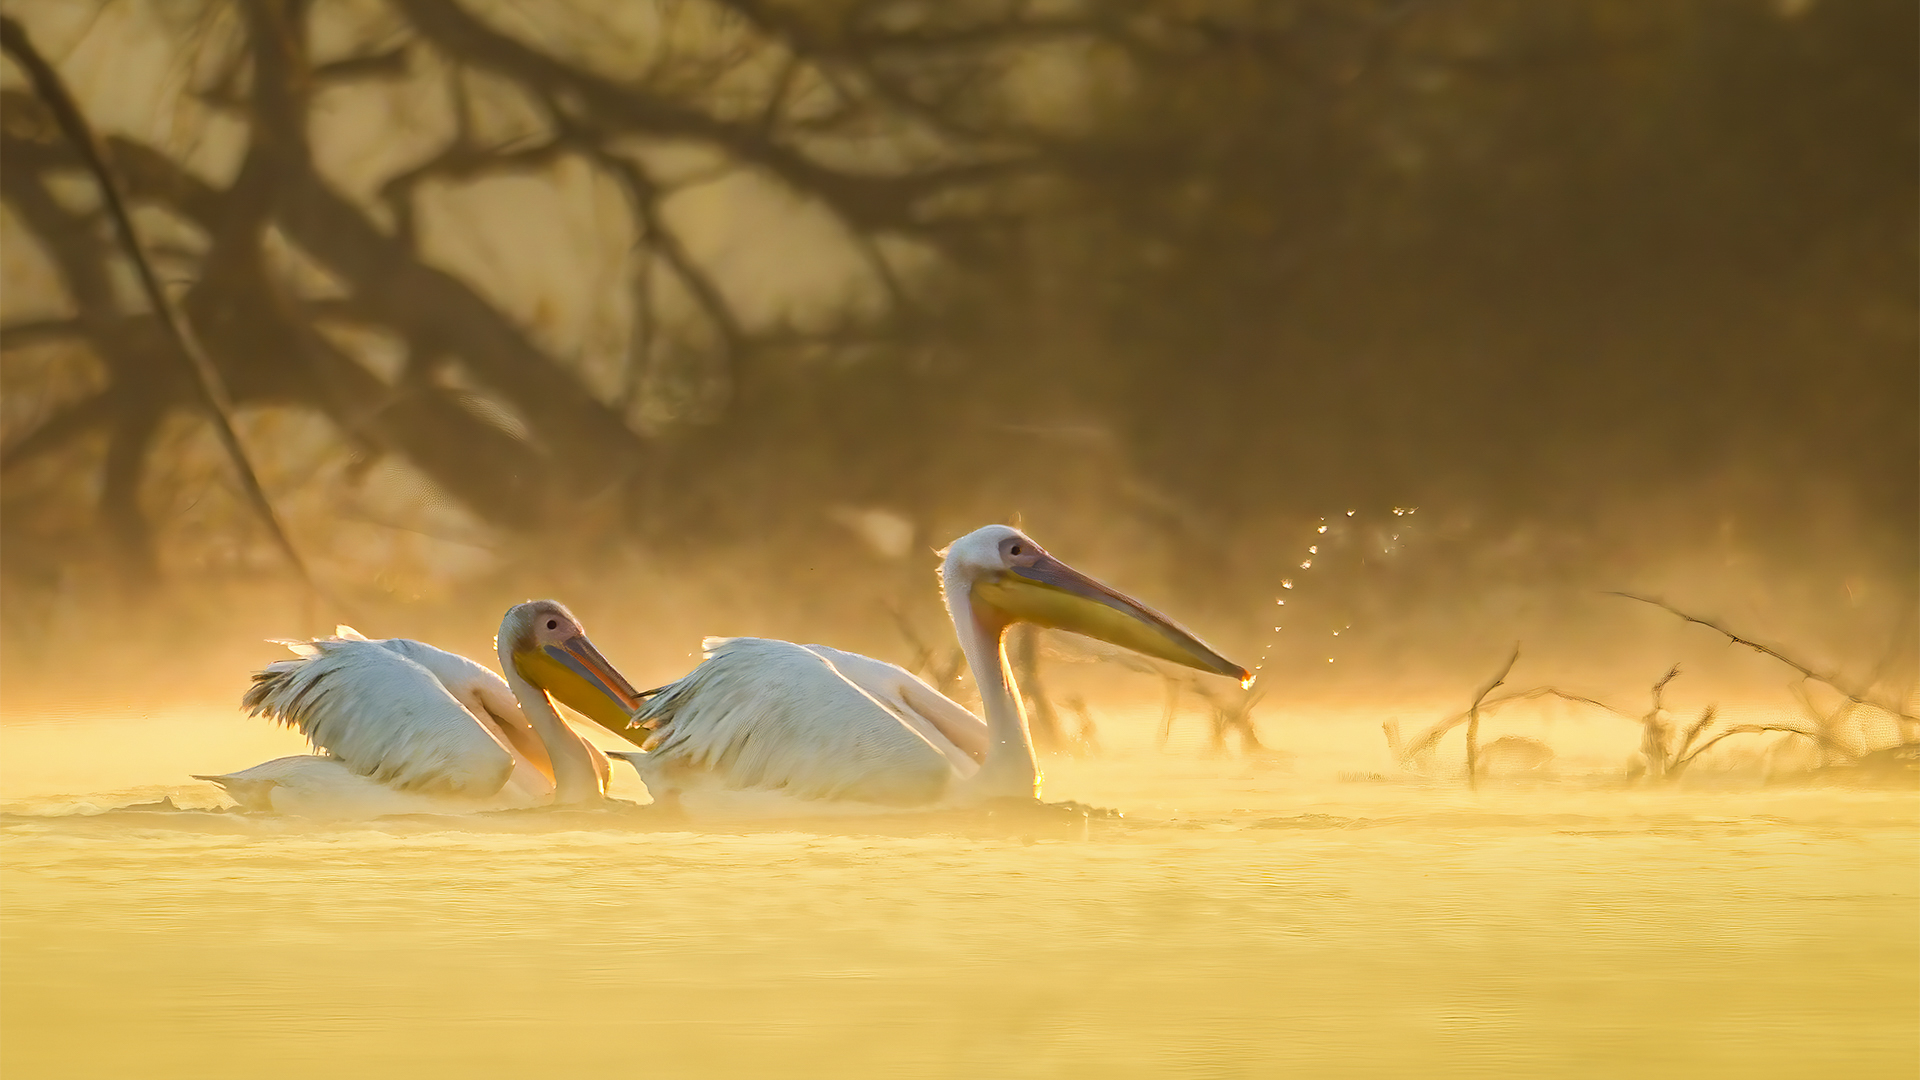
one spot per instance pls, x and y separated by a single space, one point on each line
1251 917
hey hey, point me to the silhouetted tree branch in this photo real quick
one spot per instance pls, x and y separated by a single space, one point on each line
1853 696
134 432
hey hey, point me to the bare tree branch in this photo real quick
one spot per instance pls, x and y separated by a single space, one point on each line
28 332
460 161
394 289
1819 738
1473 716
1693 732
1852 695
391 64
47 83
66 424
1425 742
503 480
644 197
866 200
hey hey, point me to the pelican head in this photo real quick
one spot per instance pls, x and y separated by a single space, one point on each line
1005 578
545 645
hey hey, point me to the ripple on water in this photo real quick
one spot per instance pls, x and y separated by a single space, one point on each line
1324 928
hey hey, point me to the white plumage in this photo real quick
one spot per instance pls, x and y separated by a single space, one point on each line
770 727
958 734
385 717
819 736
403 728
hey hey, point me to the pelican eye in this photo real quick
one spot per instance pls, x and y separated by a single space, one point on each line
553 624
1015 549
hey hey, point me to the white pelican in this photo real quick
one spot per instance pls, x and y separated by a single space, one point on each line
770 727
408 728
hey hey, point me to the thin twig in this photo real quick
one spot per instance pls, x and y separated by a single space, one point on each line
643 197
1767 650
1409 752
1233 710
1819 739
1167 715
1473 717
391 64
1693 732
1653 733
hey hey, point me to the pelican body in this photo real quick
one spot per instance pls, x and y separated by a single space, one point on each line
767 727
407 728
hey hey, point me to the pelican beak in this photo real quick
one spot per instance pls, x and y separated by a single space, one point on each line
1052 594
577 675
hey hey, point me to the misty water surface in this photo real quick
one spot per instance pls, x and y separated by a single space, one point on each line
1249 916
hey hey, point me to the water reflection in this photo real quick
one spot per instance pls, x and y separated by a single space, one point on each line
1240 921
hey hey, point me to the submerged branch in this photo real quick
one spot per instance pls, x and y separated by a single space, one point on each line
1426 741
1680 764
1473 716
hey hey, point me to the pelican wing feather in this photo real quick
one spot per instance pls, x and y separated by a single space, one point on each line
485 694
767 714
385 716
942 721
